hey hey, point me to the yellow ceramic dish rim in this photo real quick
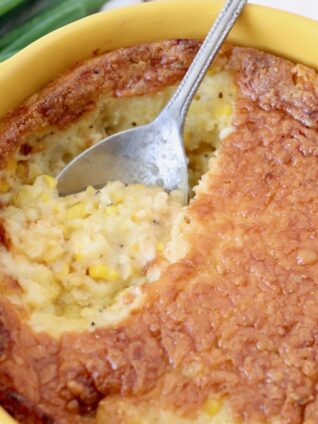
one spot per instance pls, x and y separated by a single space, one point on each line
41 62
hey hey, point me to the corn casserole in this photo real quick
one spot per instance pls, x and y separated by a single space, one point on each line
119 305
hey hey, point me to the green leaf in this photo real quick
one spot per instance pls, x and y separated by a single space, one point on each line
7 5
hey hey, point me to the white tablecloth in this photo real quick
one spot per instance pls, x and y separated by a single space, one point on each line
307 8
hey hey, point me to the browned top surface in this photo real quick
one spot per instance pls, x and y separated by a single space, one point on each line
241 307
274 83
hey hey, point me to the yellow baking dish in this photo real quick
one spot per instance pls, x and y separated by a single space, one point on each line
259 27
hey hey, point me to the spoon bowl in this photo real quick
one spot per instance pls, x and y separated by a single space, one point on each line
151 153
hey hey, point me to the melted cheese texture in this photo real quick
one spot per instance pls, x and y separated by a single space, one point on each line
81 261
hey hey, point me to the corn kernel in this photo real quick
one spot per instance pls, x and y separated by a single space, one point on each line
4 186
103 272
117 198
212 406
79 257
225 109
77 211
44 197
57 208
111 210
90 190
134 248
53 254
159 247
50 181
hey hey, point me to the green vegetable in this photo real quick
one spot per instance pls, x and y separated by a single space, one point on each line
24 13
93 5
7 5
45 16
39 9
41 24
5 56
8 19
23 21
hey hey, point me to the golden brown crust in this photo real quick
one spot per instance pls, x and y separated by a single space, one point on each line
241 307
29 367
275 83
133 71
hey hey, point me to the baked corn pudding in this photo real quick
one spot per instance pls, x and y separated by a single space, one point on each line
122 306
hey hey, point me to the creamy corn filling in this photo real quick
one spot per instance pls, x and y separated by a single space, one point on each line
81 260
74 255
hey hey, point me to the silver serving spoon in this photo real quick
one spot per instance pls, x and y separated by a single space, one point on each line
152 154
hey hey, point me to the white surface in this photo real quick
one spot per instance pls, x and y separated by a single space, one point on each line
307 8
119 3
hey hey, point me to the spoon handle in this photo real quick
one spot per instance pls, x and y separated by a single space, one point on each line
179 104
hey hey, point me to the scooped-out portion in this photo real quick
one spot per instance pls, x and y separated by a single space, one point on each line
82 260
